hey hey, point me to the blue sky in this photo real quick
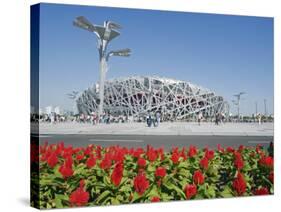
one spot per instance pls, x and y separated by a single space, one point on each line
224 53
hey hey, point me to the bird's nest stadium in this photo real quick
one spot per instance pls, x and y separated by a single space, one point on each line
138 95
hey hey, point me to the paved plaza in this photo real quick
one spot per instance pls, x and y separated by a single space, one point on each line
166 128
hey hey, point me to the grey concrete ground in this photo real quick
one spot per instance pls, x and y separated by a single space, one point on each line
166 141
167 128
166 135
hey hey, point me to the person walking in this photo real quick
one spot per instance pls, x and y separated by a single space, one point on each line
200 117
259 118
217 118
158 118
149 119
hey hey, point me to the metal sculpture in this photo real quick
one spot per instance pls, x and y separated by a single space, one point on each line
137 96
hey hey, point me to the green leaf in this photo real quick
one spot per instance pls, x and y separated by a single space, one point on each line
151 168
184 173
227 192
210 191
107 181
102 196
58 200
115 201
153 192
136 197
173 187
166 197
183 164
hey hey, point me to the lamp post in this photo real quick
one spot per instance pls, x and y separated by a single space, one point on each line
265 108
238 96
104 34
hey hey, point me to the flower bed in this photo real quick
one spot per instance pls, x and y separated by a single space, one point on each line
117 175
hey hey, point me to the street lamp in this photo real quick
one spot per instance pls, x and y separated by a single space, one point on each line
105 34
238 96
265 108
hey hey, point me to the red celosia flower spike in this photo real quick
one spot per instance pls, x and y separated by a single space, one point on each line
155 199
198 177
91 162
266 161
175 157
52 160
239 184
141 183
160 172
117 174
190 191
79 197
204 163
261 191
192 151
141 162
238 161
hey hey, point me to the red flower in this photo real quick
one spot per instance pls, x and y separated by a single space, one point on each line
241 148
68 161
175 157
204 163
155 199
209 154
151 153
238 161
190 191
192 151
198 177
160 152
66 171
141 162
160 172
136 153
106 162
52 160
79 197
258 148
230 149
266 161
89 150
182 154
141 183
239 184
117 174
80 156
271 176
91 162
220 149
261 191
98 152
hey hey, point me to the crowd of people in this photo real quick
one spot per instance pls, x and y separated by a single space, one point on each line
152 118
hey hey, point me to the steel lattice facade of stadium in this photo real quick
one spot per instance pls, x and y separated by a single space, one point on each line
137 96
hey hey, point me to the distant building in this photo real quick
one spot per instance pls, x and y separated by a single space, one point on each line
48 110
57 110
138 95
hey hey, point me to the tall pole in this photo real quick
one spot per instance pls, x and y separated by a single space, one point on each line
238 107
265 109
256 103
103 68
238 103
105 34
